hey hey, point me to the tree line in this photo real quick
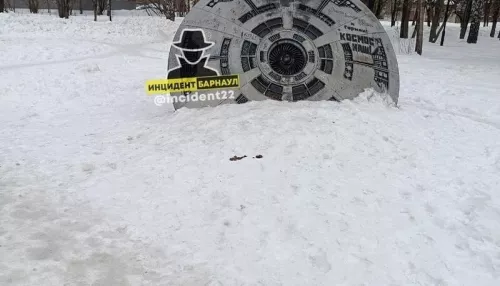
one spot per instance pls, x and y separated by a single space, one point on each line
65 8
436 12
469 12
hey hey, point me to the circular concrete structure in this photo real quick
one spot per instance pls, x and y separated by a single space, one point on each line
288 50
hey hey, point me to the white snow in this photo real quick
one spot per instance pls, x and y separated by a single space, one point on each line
98 186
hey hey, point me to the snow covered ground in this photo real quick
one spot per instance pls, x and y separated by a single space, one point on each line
99 186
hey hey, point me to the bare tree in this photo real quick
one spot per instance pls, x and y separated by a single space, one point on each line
33 6
429 10
94 3
67 8
370 4
496 11
446 14
466 12
420 27
109 9
435 21
6 5
162 7
63 8
417 17
101 6
405 19
379 8
487 6
394 11
477 8
181 7
80 6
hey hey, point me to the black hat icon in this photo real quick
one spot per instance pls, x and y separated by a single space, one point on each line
193 40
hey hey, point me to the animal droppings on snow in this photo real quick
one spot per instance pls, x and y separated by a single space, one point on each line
236 158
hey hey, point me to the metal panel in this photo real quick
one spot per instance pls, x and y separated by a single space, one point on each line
340 46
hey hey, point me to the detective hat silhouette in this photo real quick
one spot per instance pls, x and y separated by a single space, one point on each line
193 40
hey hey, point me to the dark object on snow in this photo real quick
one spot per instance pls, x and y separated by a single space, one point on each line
258 156
236 158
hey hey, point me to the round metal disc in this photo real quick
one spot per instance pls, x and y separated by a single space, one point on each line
286 50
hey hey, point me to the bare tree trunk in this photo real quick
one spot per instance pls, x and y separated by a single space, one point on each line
95 10
167 8
371 5
415 15
496 11
394 11
465 19
81 7
405 19
435 21
5 6
477 8
429 15
101 6
59 9
379 8
441 29
170 10
420 36
180 7
63 7
446 14
487 5
109 10
33 6
67 9
417 20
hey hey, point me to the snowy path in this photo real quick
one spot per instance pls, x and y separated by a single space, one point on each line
98 186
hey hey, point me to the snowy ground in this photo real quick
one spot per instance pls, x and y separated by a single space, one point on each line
98 186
